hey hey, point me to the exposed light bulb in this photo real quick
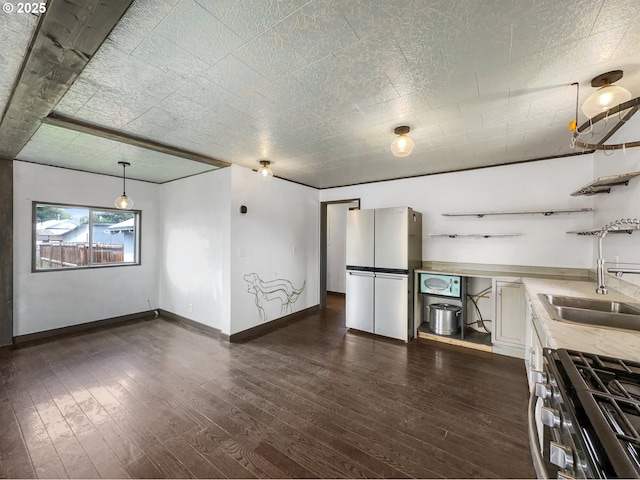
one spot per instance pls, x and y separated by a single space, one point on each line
402 145
264 171
124 203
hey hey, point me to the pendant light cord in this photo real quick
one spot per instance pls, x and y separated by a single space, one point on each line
124 180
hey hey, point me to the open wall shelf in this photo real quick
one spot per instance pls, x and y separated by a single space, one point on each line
546 213
604 184
474 235
597 231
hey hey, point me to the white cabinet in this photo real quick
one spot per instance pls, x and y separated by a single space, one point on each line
509 330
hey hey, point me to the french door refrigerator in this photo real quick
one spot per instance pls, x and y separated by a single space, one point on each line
383 247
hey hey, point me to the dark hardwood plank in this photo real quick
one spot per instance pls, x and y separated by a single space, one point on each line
98 450
117 441
42 452
14 456
453 442
309 400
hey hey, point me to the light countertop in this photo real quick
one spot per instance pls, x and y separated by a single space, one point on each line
600 340
501 271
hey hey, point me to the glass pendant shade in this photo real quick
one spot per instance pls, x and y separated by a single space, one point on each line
605 98
402 145
124 203
264 171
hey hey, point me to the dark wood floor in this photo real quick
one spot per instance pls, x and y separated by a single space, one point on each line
158 399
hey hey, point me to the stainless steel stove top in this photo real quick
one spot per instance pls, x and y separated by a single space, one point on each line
603 395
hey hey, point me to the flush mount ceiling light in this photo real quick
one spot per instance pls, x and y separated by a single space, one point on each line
607 95
402 145
123 202
264 171
621 104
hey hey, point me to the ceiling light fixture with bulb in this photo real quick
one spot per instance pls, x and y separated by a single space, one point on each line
608 95
264 171
607 101
402 145
123 202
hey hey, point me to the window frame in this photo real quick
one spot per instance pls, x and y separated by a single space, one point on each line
137 251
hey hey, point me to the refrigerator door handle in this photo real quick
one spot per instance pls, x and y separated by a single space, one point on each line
357 273
392 275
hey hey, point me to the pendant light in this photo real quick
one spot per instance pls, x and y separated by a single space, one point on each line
264 171
402 145
607 95
123 202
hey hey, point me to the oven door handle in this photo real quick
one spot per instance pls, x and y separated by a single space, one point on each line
534 440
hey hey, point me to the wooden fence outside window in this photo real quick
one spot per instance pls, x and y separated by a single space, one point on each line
61 254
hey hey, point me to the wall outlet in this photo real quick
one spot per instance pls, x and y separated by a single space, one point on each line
243 252
191 307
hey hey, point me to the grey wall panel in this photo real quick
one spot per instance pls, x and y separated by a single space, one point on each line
6 247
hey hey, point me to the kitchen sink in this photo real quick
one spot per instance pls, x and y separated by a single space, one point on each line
591 304
593 312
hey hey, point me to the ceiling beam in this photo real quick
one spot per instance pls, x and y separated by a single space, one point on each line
58 120
66 37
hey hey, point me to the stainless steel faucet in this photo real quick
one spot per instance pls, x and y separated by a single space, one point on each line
601 289
622 224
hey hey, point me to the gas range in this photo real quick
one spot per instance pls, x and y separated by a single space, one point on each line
589 406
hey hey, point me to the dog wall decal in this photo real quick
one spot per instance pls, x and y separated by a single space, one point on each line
279 289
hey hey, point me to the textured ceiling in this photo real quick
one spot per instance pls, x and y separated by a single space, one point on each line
65 148
318 86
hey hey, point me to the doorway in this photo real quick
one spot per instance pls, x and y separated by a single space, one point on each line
333 228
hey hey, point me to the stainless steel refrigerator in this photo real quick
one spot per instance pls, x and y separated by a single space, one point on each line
384 246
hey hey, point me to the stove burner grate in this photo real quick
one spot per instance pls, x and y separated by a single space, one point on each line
608 389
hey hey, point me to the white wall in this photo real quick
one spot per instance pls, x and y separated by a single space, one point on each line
336 246
278 238
195 241
529 186
48 300
623 201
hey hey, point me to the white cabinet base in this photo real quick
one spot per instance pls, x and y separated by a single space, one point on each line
510 350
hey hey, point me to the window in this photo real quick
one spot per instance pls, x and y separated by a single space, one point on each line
70 236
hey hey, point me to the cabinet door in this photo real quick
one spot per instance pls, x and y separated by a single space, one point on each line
359 301
392 306
510 318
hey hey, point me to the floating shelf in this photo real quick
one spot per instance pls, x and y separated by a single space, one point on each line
604 184
474 235
596 231
546 213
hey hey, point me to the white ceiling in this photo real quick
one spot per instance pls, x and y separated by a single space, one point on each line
318 86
